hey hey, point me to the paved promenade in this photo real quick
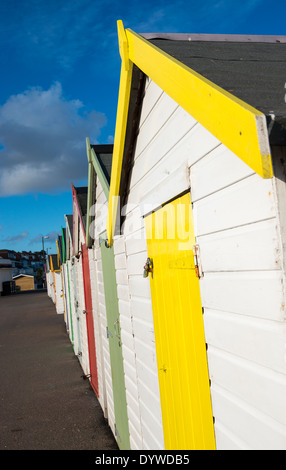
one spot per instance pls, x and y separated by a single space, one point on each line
44 402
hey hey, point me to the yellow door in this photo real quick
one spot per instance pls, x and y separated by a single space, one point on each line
179 330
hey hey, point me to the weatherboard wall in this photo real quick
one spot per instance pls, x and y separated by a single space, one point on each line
127 338
48 283
76 311
99 308
128 343
242 290
72 332
81 317
97 331
59 293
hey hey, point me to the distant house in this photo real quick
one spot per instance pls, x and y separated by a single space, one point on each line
24 262
24 282
5 272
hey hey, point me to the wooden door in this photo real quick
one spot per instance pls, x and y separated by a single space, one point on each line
69 302
77 346
179 329
115 346
64 289
89 320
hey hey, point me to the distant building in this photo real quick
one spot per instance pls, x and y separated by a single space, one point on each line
28 263
24 282
5 272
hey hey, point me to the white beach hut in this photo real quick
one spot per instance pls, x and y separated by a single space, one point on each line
196 222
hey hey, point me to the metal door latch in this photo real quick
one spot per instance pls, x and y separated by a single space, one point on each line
148 268
198 263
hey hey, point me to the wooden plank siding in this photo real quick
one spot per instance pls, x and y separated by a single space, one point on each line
237 227
104 370
73 332
97 331
243 294
81 317
128 344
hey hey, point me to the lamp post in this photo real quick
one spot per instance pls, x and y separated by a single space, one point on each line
44 245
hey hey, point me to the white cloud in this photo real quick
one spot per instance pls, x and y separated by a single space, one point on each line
52 237
43 136
16 238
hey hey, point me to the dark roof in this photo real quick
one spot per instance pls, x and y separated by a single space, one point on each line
104 154
60 243
70 225
253 68
81 195
55 262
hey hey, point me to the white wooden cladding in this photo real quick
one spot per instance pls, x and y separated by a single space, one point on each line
81 317
128 345
237 228
73 325
59 289
243 288
98 332
99 309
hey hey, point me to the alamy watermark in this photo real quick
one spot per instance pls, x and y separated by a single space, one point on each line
170 221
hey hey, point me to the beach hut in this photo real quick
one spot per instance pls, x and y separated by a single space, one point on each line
49 278
74 332
57 285
24 282
63 280
197 195
47 274
83 286
6 274
105 302
66 270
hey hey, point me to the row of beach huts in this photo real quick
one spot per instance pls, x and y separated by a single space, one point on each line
170 272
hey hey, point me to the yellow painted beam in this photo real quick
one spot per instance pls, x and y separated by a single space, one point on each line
120 131
239 126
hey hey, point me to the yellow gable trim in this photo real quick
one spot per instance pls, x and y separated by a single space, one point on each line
120 131
239 126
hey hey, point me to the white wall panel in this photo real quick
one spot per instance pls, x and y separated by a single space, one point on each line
237 228
97 332
128 346
252 427
254 293
248 201
256 385
81 317
258 340
245 248
99 309
59 293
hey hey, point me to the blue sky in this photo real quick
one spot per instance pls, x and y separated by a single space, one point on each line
59 82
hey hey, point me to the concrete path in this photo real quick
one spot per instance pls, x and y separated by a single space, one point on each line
44 402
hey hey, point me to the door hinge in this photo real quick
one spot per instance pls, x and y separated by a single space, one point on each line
86 376
108 334
197 259
117 435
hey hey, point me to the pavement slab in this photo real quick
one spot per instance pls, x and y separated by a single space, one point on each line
44 402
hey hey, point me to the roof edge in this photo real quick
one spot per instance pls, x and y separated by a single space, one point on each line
215 37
